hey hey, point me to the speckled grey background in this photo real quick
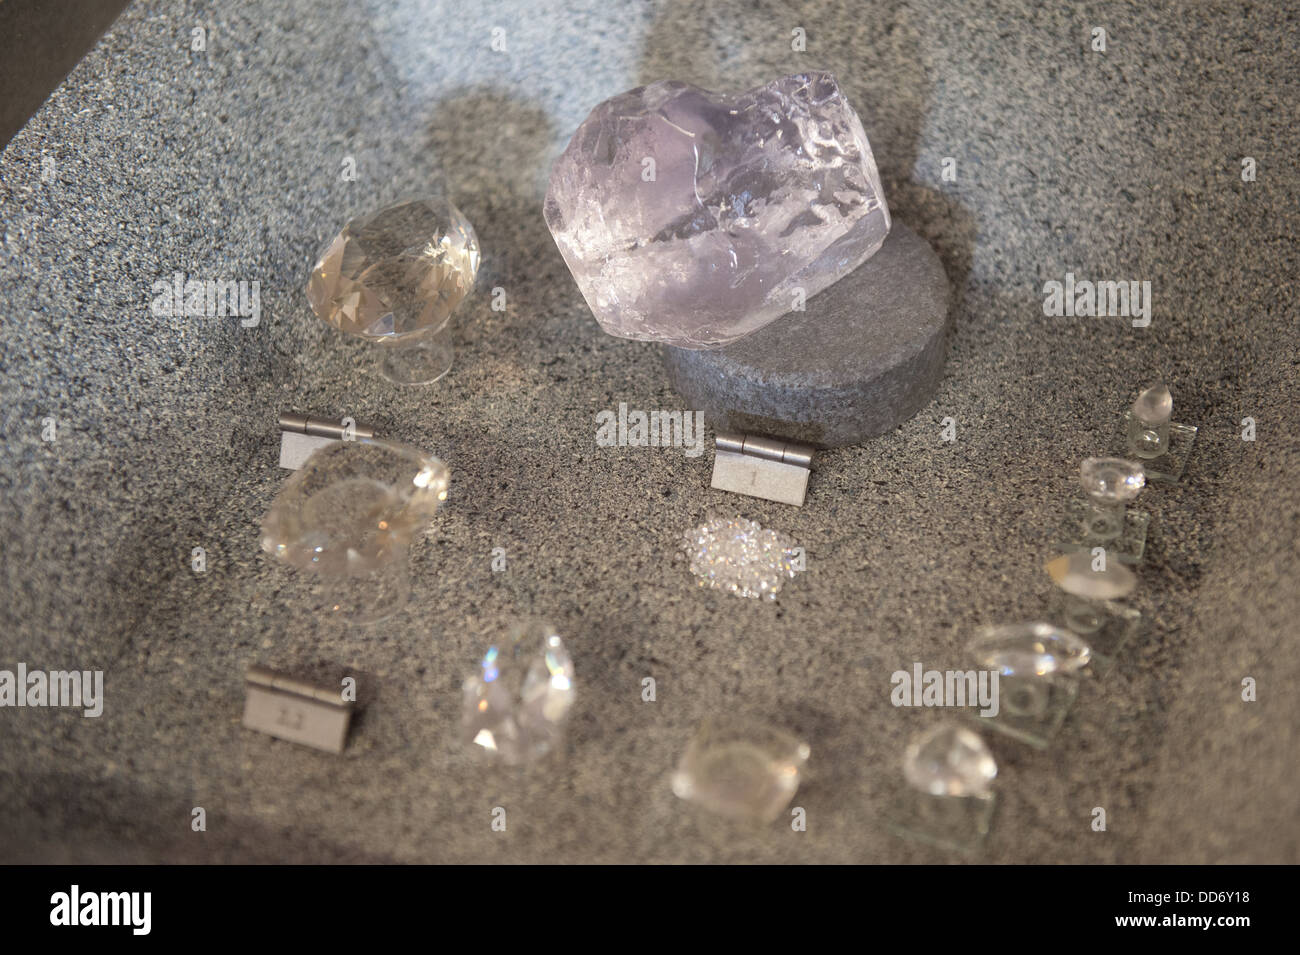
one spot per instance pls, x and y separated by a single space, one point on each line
225 164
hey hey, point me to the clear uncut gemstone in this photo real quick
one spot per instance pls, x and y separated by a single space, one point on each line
1073 573
741 557
398 273
517 703
354 507
694 218
1111 480
1154 406
949 761
1034 649
742 770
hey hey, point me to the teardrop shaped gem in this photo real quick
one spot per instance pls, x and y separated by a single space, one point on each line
1074 574
1155 405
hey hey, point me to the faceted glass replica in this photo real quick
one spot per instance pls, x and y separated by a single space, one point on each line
1149 421
741 557
394 277
1074 574
694 218
517 703
1151 434
348 517
1036 649
744 771
1111 480
1110 483
1155 405
949 761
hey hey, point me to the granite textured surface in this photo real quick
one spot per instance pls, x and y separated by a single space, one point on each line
226 163
865 355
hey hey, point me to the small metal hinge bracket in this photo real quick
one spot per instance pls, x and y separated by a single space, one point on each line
301 435
762 467
295 710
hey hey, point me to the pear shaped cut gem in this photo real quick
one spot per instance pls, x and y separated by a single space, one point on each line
1154 406
1074 574
516 704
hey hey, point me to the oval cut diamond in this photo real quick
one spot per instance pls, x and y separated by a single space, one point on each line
1112 480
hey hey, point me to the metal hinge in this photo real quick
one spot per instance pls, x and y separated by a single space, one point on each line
301 435
762 467
296 710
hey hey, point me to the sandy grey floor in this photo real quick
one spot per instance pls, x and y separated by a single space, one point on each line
225 164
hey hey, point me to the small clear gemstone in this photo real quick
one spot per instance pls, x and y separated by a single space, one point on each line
1154 406
742 770
398 273
354 507
741 557
1111 480
1074 574
1021 649
695 218
949 761
517 703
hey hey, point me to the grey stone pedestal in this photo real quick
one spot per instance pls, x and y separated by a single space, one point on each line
866 354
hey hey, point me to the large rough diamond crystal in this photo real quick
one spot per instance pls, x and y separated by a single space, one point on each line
694 218
398 273
517 702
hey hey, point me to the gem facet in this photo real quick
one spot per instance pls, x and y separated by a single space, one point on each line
353 507
1154 406
949 761
694 218
517 703
1111 480
1073 573
741 557
396 275
1021 649
742 770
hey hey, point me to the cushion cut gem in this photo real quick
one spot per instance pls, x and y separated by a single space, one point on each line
949 761
741 769
396 274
